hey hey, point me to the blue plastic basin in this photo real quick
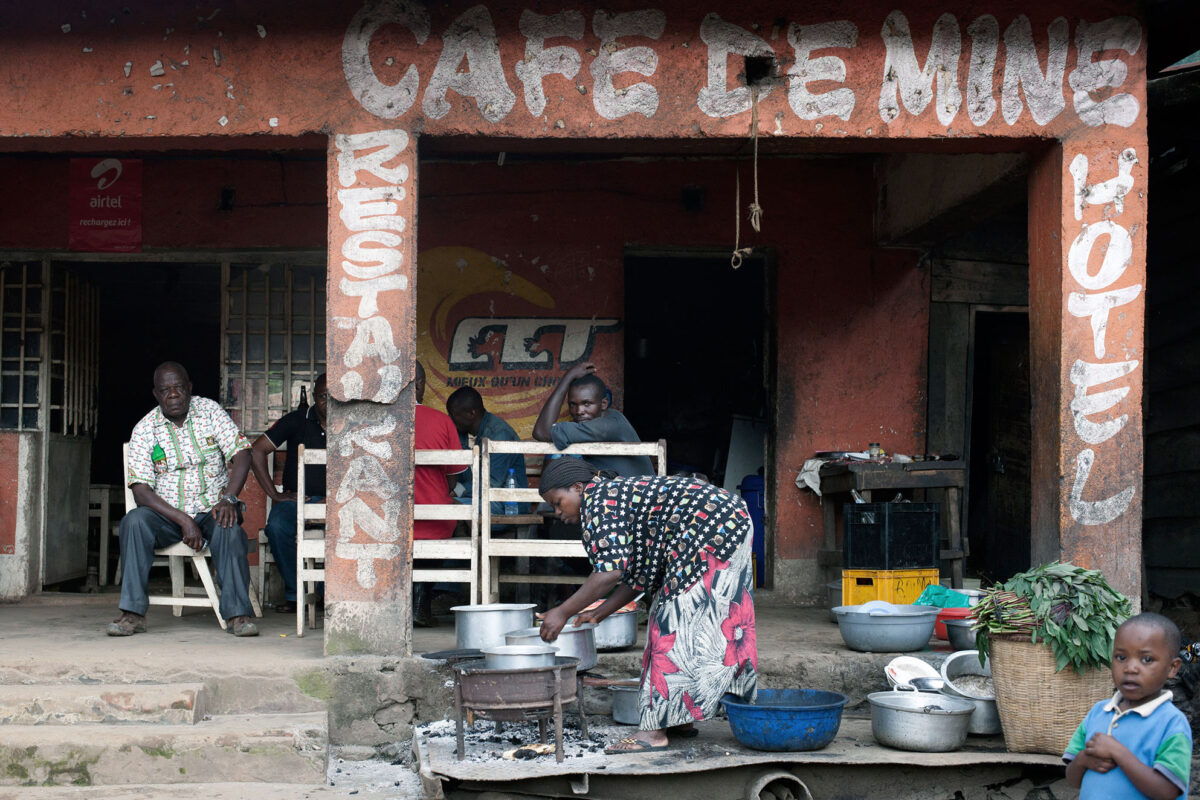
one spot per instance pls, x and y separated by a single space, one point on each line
786 719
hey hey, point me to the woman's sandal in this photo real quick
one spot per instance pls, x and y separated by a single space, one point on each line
632 745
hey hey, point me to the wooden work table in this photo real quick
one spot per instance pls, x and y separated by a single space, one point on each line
867 477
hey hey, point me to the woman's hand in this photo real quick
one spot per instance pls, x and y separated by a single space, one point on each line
587 617
553 623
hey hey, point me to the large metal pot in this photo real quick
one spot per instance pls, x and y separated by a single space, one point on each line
477 627
920 721
627 706
617 631
985 721
896 629
525 656
578 641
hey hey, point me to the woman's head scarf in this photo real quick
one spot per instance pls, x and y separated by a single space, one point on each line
566 471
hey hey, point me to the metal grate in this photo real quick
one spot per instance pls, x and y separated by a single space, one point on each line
74 354
22 319
273 340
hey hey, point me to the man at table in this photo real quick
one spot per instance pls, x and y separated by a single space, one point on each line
306 427
432 484
470 418
592 420
178 469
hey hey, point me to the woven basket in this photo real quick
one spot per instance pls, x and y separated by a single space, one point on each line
1039 707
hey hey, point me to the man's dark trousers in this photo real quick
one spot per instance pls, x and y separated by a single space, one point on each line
143 530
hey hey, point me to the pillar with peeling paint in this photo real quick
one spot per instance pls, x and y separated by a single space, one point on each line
368 541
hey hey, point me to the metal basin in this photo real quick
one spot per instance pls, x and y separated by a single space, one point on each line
523 656
577 641
960 633
899 629
477 627
919 721
617 631
985 721
627 707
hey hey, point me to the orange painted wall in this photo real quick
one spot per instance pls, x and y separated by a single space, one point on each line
9 480
852 318
279 202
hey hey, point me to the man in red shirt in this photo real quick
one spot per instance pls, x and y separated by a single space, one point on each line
431 485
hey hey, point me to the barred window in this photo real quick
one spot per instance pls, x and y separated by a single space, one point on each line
273 341
20 343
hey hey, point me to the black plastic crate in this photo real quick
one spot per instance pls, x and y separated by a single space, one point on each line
890 536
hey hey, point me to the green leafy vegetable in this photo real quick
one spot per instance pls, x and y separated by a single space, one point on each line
1070 608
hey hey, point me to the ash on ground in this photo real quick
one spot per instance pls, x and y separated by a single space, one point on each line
487 741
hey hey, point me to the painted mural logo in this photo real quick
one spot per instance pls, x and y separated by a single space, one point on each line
466 338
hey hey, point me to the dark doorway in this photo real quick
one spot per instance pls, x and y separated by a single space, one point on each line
694 356
1000 445
149 313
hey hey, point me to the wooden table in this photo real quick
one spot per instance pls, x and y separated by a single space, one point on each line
867 477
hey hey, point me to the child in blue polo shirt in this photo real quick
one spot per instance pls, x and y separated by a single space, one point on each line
1138 744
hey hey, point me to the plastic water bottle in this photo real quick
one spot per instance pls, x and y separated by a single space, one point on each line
510 506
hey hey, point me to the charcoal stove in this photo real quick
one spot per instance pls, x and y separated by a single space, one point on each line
518 695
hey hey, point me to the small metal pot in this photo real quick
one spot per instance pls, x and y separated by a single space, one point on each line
960 633
617 631
627 707
986 719
477 627
578 641
525 656
919 721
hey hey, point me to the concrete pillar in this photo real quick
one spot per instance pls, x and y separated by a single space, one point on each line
1087 262
370 342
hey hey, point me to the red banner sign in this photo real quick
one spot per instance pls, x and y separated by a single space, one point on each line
105 205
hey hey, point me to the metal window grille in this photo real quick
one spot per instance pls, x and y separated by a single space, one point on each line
273 340
22 318
74 354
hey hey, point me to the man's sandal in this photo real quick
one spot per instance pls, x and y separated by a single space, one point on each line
632 744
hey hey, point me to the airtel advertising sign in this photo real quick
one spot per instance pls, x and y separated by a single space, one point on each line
105 205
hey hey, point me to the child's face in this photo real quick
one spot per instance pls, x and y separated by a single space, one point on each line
1141 663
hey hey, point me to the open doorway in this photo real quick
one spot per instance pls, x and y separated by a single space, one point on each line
695 344
1000 444
149 313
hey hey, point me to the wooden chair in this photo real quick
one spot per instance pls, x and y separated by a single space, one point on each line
173 557
310 541
460 548
492 550
265 558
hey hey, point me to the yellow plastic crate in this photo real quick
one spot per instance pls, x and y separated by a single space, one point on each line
899 586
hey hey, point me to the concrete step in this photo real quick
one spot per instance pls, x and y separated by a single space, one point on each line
75 703
275 748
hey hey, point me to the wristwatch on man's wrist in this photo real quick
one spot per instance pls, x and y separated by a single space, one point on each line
232 499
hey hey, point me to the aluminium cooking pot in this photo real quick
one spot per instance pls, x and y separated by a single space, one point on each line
477 627
626 703
616 631
574 640
919 721
986 719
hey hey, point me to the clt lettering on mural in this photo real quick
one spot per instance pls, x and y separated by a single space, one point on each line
817 55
